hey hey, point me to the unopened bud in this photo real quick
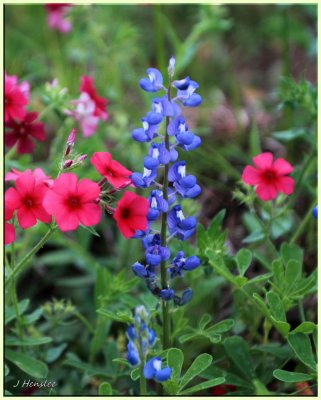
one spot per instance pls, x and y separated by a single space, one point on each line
67 164
71 137
171 66
82 158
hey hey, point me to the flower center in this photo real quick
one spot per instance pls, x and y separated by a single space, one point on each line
28 202
22 130
125 213
73 202
269 175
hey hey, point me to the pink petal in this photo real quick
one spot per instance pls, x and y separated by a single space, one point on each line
67 221
266 192
25 184
26 219
285 184
53 202
88 190
40 213
10 139
101 161
89 214
263 160
65 183
282 167
12 199
138 222
9 233
89 126
250 175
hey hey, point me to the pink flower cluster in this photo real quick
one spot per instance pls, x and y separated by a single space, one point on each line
89 108
37 197
21 127
56 14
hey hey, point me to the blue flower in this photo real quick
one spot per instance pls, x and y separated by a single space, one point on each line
315 212
185 185
153 370
146 133
178 225
140 270
154 82
156 253
157 204
145 179
186 297
162 107
186 92
158 154
184 138
167 294
132 355
181 263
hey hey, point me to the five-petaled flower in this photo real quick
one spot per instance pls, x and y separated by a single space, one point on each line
116 174
27 198
22 132
269 177
131 214
72 202
16 97
38 174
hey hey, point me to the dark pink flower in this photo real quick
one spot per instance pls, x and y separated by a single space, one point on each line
22 132
87 86
131 214
269 177
56 16
16 98
27 198
9 231
113 171
38 174
72 202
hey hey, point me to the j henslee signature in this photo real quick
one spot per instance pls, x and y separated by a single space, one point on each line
29 384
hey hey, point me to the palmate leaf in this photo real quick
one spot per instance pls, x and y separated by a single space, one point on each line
175 360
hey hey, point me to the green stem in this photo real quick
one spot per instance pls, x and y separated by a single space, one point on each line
304 222
301 311
142 385
15 297
31 253
85 321
165 305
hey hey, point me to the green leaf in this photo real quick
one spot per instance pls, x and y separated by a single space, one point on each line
187 337
291 251
121 361
175 360
278 273
243 260
200 364
135 374
6 370
55 352
216 224
281 326
254 139
90 229
220 327
73 361
306 327
119 316
10 312
240 281
105 389
276 306
259 279
255 236
290 377
237 351
12 341
202 386
205 320
35 368
289 135
301 345
293 272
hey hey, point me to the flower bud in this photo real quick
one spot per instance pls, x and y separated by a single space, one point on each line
171 67
67 164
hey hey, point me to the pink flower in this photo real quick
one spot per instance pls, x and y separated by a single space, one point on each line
27 199
56 16
131 214
72 202
113 171
38 174
9 231
87 86
84 114
16 97
21 133
269 177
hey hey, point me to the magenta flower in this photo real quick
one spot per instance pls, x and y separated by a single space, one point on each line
16 98
269 177
22 132
72 202
115 173
9 231
87 86
38 174
56 17
27 198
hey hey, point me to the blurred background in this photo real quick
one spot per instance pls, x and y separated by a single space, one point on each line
257 69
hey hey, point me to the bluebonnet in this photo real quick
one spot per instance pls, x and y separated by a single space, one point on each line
162 156
153 370
140 337
315 212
